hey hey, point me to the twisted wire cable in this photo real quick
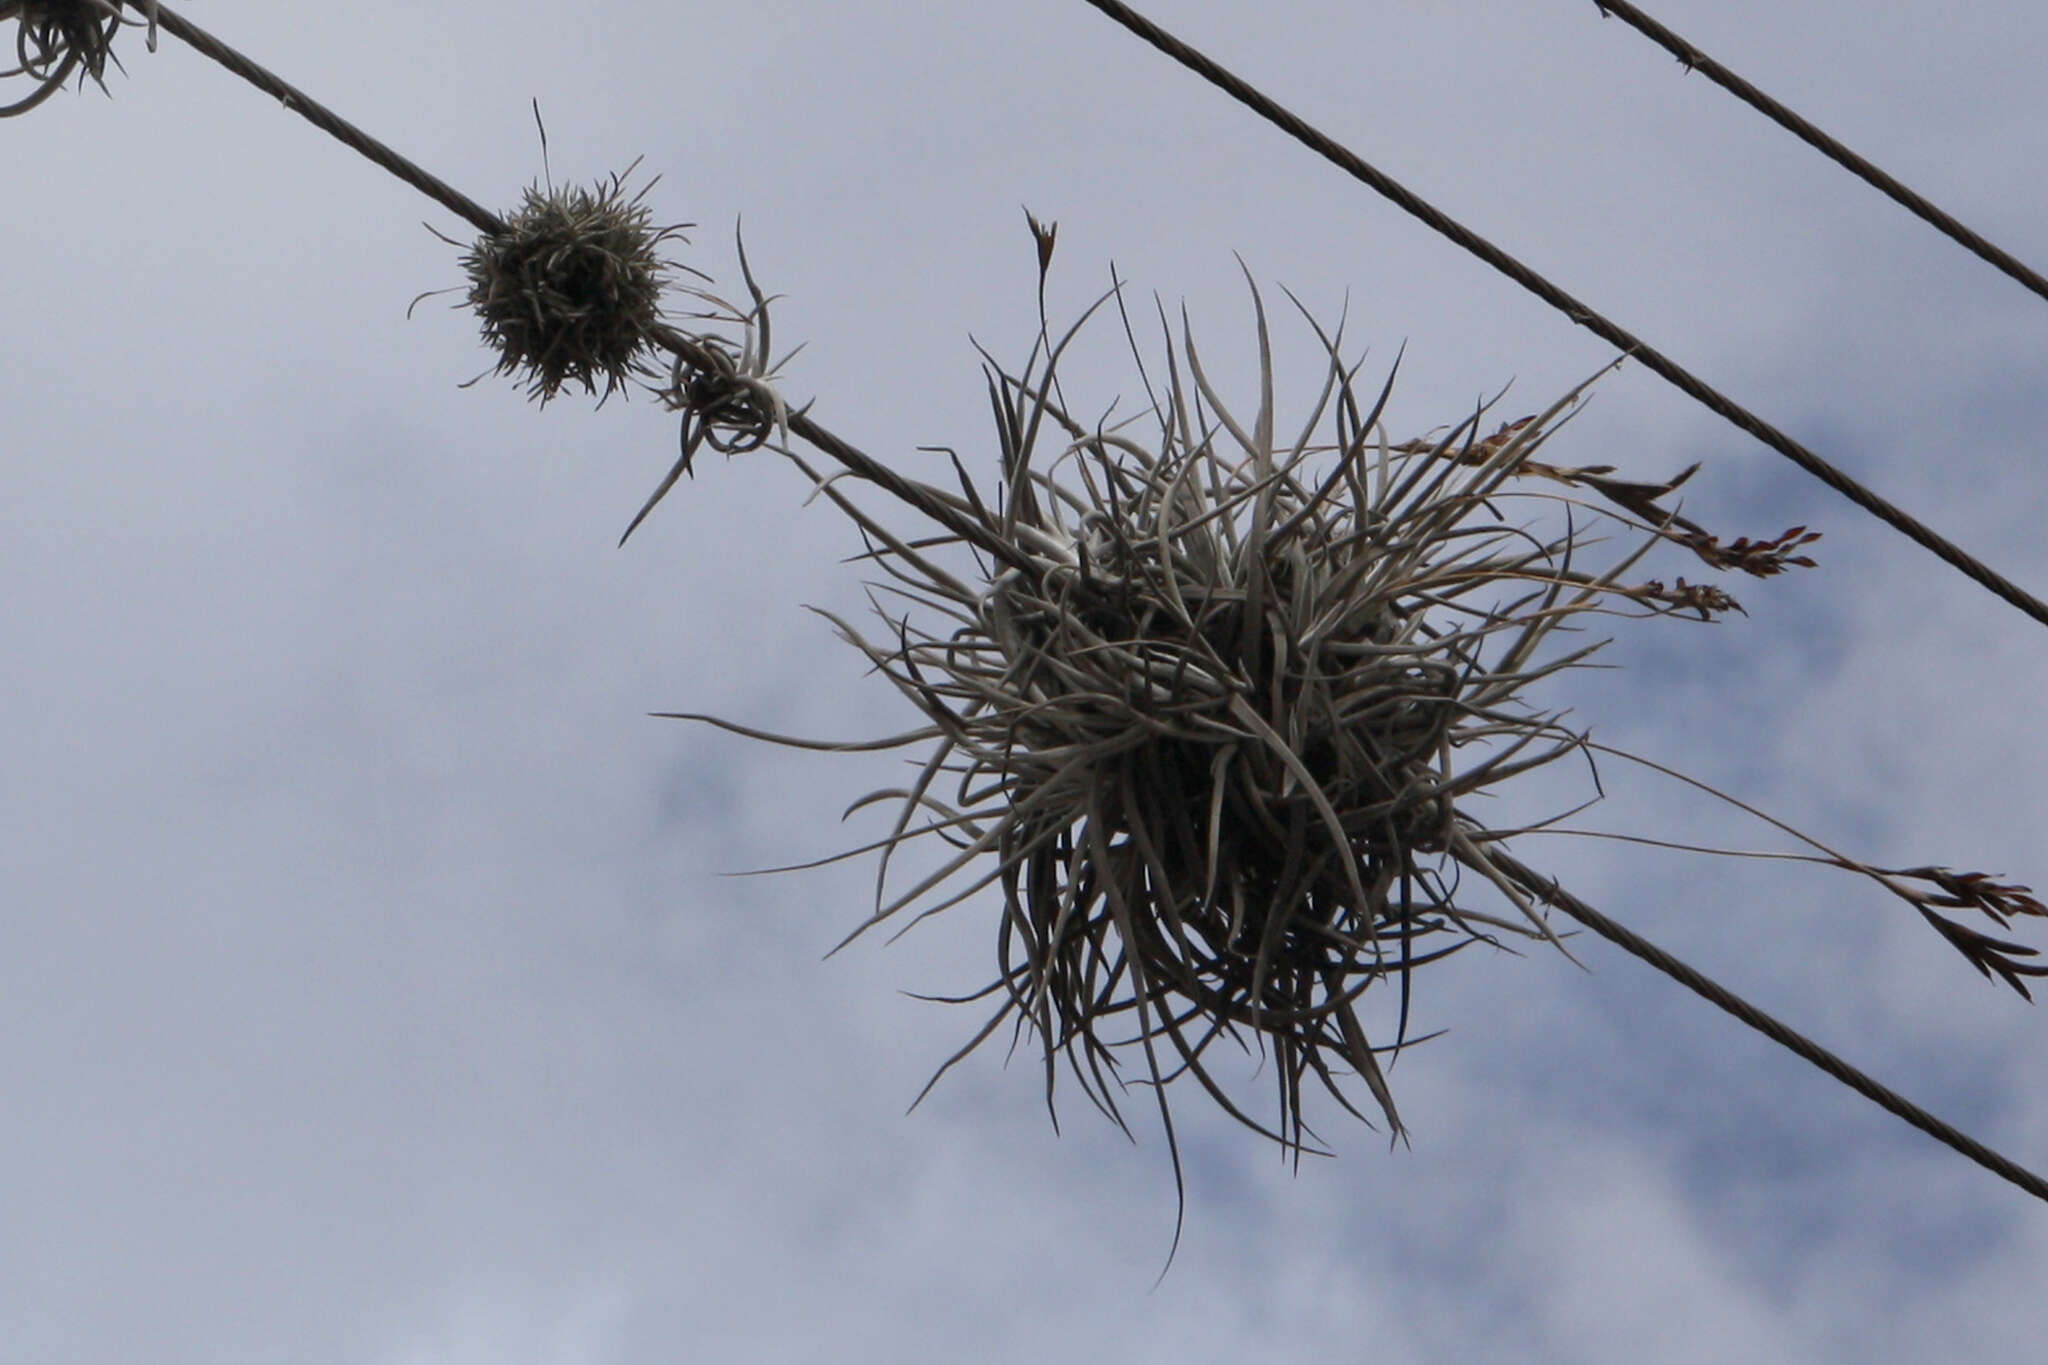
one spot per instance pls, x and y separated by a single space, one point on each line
1918 205
1546 889
328 122
686 348
1582 314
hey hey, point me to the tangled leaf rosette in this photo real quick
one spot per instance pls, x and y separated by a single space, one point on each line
1212 704
1210 712
570 290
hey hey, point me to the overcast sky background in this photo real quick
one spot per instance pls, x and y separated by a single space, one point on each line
370 993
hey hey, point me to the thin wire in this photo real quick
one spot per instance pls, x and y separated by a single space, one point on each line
329 122
1656 361
676 343
1781 1034
1696 60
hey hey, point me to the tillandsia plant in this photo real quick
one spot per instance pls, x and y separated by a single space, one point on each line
1211 701
1209 722
568 288
53 38
1212 710
570 292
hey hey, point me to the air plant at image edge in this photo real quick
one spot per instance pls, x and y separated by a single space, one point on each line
1210 699
53 38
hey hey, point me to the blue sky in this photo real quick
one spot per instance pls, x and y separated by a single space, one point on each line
370 990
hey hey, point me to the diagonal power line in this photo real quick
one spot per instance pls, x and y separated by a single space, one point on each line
1798 1044
1582 314
1531 881
485 221
1918 205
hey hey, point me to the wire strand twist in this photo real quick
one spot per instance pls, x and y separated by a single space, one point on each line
1919 206
1582 314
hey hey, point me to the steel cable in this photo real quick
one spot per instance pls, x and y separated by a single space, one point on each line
1695 60
1654 360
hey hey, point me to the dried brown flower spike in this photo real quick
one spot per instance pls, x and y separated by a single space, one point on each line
53 38
570 291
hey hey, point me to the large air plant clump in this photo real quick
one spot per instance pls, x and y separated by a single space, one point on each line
1212 713
570 291
53 38
1214 708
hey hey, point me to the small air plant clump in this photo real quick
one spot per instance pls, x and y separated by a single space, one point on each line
570 291
53 38
723 385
